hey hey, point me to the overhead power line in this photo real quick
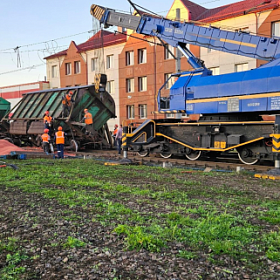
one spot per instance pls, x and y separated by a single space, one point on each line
21 69
44 42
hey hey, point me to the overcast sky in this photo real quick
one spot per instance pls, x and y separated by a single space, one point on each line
31 30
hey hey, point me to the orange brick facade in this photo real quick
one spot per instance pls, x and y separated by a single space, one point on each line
155 68
75 78
266 28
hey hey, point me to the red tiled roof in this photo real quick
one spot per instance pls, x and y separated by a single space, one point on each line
101 39
236 9
194 9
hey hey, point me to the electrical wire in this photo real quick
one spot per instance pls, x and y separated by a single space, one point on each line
44 42
22 69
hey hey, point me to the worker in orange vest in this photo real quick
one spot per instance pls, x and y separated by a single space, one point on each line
46 141
59 141
115 133
48 121
88 121
67 101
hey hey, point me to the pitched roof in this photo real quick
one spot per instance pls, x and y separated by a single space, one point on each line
194 9
236 9
101 39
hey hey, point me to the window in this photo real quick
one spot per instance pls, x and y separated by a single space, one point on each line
129 58
77 67
170 115
142 83
178 13
94 64
67 68
142 56
110 87
241 67
170 82
129 85
143 111
167 50
110 60
275 29
130 112
215 70
54 71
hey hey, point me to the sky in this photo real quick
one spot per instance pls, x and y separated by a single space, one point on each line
33 29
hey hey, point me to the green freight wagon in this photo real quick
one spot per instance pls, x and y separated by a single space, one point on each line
26 125
4 109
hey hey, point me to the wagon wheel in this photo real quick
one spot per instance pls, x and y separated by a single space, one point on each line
74 145
143 153
165 154
246 156
193 155
17 142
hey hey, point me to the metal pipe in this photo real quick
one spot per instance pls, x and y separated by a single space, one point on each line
190 57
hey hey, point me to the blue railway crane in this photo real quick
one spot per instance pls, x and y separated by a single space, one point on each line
230 105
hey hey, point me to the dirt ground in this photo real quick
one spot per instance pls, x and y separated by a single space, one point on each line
45 204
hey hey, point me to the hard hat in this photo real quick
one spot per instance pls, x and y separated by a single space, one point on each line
116 125
46 130
85 110
59 128
47 112
71 92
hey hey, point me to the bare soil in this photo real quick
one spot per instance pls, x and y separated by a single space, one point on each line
41 225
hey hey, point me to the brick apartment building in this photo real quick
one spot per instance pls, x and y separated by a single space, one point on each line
137 67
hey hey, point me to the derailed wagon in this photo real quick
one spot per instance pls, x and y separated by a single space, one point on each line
24 123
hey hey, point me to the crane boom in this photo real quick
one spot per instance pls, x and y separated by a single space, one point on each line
179 34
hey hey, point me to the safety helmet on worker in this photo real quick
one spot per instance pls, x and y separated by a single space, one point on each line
116 125
47 112
46 130
71 92
59 128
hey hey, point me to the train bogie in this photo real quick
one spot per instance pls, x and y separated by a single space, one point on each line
250 140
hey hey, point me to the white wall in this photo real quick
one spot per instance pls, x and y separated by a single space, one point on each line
227 61
54 81
112 73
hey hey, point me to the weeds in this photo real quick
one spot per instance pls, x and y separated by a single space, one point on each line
73 242
153 209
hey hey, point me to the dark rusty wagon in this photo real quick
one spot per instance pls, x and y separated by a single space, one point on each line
25 124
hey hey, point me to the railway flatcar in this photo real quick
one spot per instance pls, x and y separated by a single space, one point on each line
24 124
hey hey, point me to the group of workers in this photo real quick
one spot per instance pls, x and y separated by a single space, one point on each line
59 140
59 136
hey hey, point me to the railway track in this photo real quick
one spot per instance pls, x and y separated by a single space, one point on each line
221 163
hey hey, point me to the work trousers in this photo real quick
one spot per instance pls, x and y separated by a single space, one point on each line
46 147
60 150
119 142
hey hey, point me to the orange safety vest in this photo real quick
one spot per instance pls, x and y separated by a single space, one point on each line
48 119
115 132
88 118
67 100
45 137
59 137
